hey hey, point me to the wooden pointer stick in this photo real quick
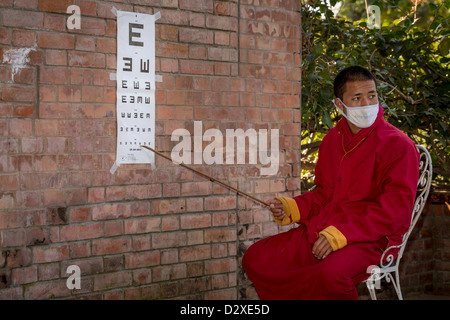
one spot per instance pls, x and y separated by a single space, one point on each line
207 176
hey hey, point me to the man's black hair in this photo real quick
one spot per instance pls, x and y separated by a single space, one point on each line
353 73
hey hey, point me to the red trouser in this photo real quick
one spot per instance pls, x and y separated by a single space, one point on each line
283 267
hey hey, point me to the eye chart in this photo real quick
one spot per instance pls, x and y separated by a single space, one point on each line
135 87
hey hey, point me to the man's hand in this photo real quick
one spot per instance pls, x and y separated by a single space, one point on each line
321 248
277 209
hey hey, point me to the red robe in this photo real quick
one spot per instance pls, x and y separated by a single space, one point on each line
365 189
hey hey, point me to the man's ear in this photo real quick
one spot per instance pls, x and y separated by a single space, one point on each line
338 103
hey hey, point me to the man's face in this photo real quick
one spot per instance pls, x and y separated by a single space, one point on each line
359 94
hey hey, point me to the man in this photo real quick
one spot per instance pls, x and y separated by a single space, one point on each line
366 179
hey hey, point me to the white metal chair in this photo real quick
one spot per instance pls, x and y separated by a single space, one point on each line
391 265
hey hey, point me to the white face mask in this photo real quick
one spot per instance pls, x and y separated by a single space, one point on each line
362 117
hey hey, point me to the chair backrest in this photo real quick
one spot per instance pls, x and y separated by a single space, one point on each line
423 190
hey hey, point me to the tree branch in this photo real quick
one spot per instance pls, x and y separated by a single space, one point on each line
407 98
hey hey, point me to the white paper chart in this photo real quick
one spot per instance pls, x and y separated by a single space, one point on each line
135 88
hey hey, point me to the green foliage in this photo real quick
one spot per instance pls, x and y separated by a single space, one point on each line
409 55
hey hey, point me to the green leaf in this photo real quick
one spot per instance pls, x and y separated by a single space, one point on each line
444 46
326 120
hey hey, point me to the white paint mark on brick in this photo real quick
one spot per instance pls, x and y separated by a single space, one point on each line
17 57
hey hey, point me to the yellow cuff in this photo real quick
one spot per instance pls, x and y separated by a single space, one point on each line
336 239
291 209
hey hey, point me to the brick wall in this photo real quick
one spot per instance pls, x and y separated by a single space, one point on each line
139 233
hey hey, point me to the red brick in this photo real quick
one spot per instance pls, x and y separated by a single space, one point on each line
47 93
69 94
168 240
46 128
46 254
91 26
25 163
168 206
81 76
112 280
24 75
20 128
175 98
24 275
104 9
12 238
59 6
45 163
222 23
142 225
168 33
195 221
81 232
85 43
92 162
224 8
80 214
5 73
32 145
220 266
28 199
220 235
112 228
87 60
55 40
23 38
4 128
56 57
221 38
106 45
196 188
220 203
46 290
195 67
174 17
111 246
10 219
111 211
8 182
50 75
36 57
197 5
169 65
52 198
55 22
165 273
75 196
196 36
292 101
222 54
142 259
24 111
18 93
5 35
171 50
91 94
196 253
15 18
6 201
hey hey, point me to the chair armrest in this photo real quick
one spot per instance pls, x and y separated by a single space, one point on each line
390 261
